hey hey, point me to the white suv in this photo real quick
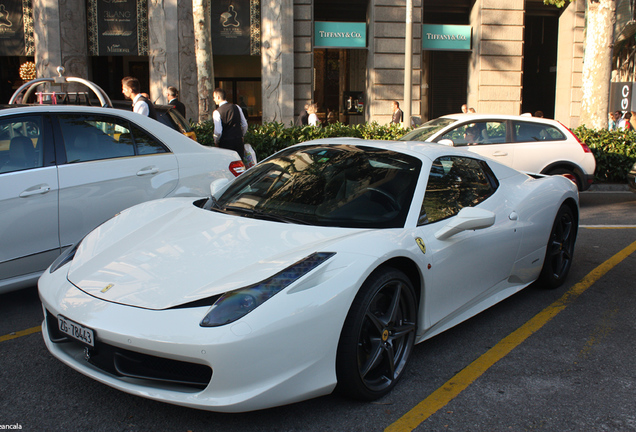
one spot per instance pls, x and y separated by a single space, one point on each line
528 144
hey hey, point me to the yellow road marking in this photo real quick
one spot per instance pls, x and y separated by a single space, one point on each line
453 387
20 333
599 227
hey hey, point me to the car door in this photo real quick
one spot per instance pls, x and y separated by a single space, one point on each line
29 239
111 165
488 138
466 266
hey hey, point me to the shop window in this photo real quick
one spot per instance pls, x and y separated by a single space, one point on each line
246 93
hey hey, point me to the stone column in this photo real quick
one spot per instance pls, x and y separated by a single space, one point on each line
171 50
567 107
496 65
48 43
385 66
277 59
157 46
73 37
303 54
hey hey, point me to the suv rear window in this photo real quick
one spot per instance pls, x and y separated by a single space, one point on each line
530 131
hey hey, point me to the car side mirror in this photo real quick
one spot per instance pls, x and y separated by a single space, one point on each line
447 142
469 218
218 185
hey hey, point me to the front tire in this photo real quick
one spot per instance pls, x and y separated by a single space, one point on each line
378 336
560 249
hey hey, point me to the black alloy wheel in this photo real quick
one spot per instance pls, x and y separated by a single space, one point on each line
378 336
560 249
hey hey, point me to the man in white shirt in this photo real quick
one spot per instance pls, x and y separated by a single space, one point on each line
229 124
131 89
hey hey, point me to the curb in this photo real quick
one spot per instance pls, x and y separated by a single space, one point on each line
608 187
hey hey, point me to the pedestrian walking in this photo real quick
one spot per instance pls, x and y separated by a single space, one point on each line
230 124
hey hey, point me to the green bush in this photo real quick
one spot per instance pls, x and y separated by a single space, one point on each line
615 151
269 138
205 132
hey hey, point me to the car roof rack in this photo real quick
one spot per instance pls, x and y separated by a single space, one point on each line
63 97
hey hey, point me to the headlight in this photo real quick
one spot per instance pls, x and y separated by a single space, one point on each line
236 304
66 257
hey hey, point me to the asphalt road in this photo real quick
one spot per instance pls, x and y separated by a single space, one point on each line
560 360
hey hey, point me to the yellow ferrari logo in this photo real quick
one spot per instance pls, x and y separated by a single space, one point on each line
421 244
107 287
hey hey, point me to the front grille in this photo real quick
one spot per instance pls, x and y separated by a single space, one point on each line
125 363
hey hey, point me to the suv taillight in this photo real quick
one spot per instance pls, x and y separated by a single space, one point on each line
570 177
237 168
586 149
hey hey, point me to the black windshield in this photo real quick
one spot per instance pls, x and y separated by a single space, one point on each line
328 185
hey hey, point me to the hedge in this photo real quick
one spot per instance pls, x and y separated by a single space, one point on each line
615 151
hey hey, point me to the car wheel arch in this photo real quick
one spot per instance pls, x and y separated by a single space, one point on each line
360 380
410 269
560 246
570 202
565 165
406 266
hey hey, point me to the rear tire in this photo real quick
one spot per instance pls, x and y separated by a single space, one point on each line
560 249
378 336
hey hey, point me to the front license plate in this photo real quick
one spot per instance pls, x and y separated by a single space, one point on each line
76 331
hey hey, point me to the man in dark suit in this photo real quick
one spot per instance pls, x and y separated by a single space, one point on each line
172 94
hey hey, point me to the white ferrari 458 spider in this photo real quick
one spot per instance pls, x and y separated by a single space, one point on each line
318 269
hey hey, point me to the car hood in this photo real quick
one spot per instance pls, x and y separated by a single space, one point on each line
169 252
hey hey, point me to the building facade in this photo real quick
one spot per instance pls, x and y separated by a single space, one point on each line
622 89
275 56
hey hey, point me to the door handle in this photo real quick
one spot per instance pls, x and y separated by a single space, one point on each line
500 153
148 170
35 190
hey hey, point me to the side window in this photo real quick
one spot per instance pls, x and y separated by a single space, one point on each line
94 137
455 183
529 132
21 143
495 133
146 144
491 132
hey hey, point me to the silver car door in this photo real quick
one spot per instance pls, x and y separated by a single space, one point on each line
112 165
28 199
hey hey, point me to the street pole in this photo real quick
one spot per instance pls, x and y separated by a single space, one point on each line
408 64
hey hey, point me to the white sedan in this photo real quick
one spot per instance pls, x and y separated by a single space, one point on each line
528 144
319 268
66 169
